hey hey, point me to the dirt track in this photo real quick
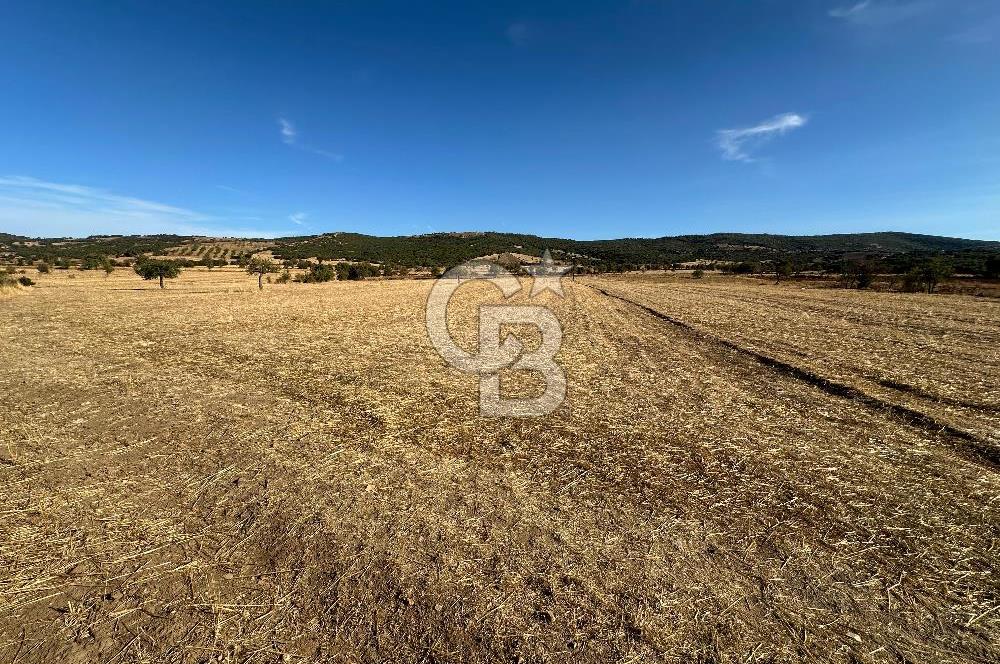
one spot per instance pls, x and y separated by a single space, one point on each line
212 472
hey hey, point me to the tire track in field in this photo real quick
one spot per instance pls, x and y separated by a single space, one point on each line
971 447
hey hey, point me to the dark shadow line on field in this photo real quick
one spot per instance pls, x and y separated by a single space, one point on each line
923 394
972 448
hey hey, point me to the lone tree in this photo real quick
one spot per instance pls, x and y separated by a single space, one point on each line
782 268
157 269
260 267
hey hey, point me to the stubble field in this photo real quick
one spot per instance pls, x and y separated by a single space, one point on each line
740 473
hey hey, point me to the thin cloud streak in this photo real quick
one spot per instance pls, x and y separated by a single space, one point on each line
844 12
739 144
290 137
875 14
29 206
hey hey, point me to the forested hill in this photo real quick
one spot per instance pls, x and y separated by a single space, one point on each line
444 249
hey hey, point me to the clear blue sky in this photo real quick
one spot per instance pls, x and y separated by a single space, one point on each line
574 119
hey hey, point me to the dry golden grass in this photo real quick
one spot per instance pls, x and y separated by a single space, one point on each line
211 473
938 355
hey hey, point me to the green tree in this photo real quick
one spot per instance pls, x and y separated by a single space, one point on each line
859 275
782 268
150 269
933 272
260 267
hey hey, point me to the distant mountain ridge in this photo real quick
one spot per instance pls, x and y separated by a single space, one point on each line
443 249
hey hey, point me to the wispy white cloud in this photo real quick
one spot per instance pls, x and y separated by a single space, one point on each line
876 13
288 132
29 206
290 136
844 12
739 144
233 190
298 218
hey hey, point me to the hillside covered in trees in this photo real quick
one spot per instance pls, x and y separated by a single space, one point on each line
815 252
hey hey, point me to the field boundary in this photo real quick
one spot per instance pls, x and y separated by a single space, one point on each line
972 447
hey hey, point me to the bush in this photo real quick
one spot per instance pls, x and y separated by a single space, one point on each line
697 274
43 268
25 281
317 274
284 277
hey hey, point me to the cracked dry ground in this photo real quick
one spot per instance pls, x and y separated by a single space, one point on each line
209 473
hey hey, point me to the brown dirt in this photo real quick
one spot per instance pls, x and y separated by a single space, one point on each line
211 473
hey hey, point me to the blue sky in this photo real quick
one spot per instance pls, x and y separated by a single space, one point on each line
572 119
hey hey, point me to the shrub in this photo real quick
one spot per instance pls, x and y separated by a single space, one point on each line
25 281
284 277
698 274
43 268
318 274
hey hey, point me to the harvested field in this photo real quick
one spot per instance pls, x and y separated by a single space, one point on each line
211 473
937 355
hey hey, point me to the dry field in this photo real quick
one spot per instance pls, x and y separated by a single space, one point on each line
740 473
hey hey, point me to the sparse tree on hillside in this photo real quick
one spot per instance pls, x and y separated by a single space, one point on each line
782 268
260 267
860 275
157 269
934 272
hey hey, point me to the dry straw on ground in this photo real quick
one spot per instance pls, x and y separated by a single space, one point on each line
211 473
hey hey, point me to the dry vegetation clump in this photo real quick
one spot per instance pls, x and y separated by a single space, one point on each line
212 473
